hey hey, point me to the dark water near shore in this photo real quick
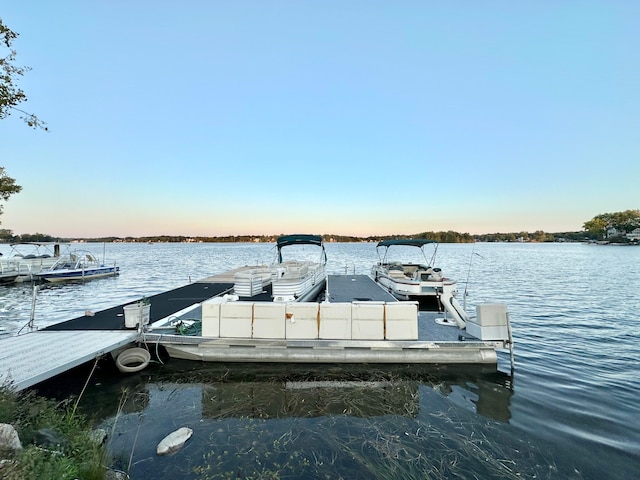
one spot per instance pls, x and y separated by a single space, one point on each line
570 411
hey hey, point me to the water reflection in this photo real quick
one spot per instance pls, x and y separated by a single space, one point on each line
271 391
304 420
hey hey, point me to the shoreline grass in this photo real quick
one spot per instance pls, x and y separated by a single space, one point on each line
58 442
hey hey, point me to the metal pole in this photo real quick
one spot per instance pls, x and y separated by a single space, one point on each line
33 307
511 354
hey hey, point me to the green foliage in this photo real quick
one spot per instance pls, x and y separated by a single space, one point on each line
8 405
6 235
625 221
75 455
8 185
10 94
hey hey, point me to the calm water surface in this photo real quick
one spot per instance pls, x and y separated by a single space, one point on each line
570 411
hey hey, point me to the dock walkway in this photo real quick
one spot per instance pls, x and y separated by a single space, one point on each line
33 357
36 356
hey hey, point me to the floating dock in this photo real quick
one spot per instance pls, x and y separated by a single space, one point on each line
28 359
367 314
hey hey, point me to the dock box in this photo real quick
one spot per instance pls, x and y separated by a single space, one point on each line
367 321
302 320
211 317
491 314
335 321
401 321
236 319
268 320
490 323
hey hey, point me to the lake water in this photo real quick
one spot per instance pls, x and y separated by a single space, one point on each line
571 410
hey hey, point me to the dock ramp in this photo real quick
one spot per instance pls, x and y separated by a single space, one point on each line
37 356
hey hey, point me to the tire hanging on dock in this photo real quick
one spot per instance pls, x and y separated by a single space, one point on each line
133 360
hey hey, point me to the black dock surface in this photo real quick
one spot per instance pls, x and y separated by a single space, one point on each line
162 305
356 288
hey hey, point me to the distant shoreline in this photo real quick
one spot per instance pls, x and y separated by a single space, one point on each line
441 237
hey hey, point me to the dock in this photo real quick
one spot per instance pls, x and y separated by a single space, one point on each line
28 359
33 357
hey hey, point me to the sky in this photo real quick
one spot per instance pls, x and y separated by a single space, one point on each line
347 117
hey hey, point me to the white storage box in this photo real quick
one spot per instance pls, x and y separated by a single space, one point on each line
401 321
211 317
335 321
236 319
302 320
495 332
268 320
367 321
491 314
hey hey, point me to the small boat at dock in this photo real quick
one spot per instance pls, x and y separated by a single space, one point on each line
28 258
77 265
298 280
417 280
292 279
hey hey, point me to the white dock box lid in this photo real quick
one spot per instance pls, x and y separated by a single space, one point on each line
335 321
491 314
302 320
211 317
401 321
491 322
367 321
268 320
236 319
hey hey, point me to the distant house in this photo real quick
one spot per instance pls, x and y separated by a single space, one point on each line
634 235
614 232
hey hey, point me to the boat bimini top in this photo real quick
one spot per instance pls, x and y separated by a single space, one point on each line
407 242
300 239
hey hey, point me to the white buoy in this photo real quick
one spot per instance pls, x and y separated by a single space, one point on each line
174 441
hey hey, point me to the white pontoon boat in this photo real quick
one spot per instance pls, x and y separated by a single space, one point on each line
298 280
29 258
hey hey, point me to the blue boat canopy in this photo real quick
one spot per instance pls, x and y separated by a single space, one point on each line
299 239
411 242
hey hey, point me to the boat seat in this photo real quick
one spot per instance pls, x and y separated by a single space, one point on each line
396 273
410 270
295 271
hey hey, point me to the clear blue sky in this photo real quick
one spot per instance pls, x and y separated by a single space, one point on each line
345 117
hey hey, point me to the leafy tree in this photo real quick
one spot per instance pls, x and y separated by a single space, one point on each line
627 221
6 235
597 226
10 94
7 187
